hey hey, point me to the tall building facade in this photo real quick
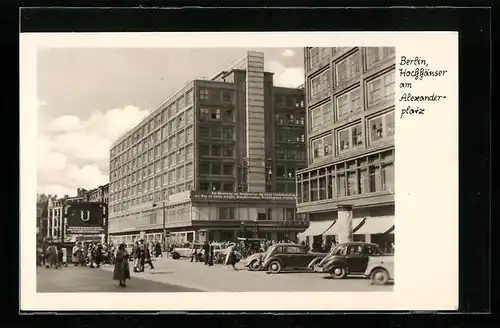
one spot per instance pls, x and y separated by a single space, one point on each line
350 140
217 160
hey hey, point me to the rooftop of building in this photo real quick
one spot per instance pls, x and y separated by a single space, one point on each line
238 65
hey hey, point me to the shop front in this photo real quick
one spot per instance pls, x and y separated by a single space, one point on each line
374 225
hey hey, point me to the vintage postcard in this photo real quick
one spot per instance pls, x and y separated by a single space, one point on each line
239 171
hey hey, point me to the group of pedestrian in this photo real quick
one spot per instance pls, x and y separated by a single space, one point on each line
52 255
209 256
142 256
93 254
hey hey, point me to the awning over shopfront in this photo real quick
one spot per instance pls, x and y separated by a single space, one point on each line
376 225
334 229
317 228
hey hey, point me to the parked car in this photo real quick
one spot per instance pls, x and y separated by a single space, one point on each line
283 256
348 258
380 269
254 261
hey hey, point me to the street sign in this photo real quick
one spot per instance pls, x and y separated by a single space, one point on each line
85 218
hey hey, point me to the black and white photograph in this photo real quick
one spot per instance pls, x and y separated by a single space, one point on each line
196 169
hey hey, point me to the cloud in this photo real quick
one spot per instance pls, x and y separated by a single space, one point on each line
288 53
74 153
291 77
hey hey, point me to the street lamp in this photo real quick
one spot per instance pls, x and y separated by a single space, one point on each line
163 223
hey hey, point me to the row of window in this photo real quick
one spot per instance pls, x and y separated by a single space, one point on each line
290 136
318 54
349 66
216 114
217 95
206 186
217 150
350 102
345 70
350 183
177 214
379 129
290 154
289 100
216 168
148 184
286 171
156 197
133 172
283 188
169 141
230 213
216 132
290 119
367 174
180 104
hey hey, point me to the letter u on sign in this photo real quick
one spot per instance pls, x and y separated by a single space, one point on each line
85 215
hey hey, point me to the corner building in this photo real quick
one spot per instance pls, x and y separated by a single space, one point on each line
216 160
350 99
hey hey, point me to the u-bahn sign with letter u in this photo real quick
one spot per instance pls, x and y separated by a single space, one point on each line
85 218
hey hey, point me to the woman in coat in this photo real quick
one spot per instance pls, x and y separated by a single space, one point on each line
121 271
230 257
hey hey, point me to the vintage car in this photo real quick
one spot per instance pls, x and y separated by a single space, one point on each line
219 252
283 256
348 258
180 252
254 261
380 269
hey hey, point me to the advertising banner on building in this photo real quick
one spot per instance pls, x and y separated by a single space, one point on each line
244 196
85 218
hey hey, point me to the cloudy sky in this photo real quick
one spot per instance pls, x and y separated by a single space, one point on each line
90 97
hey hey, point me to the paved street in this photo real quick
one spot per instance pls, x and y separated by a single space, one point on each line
217 279
183 276
82 280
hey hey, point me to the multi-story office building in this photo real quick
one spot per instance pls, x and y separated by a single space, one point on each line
216 160
350 141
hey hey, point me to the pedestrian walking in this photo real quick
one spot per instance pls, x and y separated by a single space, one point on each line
52 256
194 253
135 252
148 259
64 256
211 255
230 257
121 271
206 252
158 250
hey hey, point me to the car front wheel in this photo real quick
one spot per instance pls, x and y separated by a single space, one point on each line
275 267
380 276
338 272
176 256
254 266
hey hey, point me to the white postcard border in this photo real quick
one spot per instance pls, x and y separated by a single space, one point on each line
426 260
